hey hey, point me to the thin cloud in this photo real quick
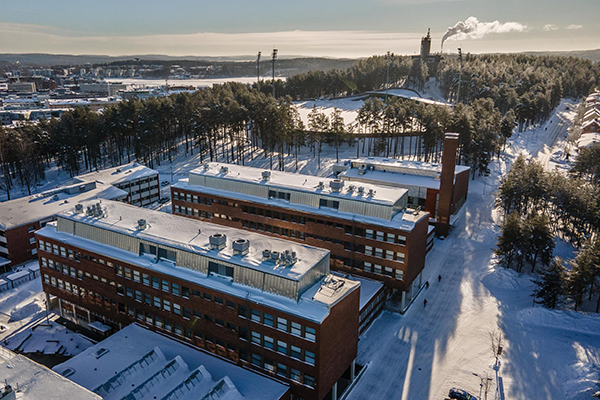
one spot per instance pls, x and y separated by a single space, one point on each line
550 27
574 27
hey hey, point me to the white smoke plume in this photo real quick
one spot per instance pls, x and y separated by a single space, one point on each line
471 28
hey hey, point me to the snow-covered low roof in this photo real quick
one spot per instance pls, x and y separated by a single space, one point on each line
123 173
297 182
142 364
44 205
404 220
38 382
588 139
412 167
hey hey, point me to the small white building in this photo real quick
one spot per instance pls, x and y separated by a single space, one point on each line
138 180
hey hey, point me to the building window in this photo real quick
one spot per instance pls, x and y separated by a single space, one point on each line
157 302
155 283
309 381
32 240
256 338
220 269
380 236
295 352
282 347
256 360
402 240
242 311
269 365
175 289
146 279
399 274
388 271
31 229
368 267
281 370
369 233
167 305
296 329
268 319
309 357
310 334
378 252
400 257
176 308
368 250
282 324
294 375
269 343
329 203
255 315
389 255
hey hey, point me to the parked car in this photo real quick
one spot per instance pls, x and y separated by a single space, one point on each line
459 394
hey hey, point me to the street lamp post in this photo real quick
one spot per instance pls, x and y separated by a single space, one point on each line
274 55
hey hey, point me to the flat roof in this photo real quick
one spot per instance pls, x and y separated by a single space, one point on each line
299 182
126 348
36 207
387 178
309 306
404 220
123 173
38 382
416 166
193 236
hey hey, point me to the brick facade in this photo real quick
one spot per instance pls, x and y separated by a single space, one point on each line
395 258
308 355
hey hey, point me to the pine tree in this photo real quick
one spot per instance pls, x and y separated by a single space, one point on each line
576 283
539 239
550 288
512 235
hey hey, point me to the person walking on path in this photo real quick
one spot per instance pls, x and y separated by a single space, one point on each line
439 278
427 285
425 303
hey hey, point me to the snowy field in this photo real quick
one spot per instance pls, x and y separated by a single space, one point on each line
420 355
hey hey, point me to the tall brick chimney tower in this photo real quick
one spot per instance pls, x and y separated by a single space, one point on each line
446 184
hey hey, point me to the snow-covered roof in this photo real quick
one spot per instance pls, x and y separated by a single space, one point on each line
18 275
142 364
591 122
123 173
404 220
368 288
406 166
588 139
193 236
298 182
38 382
4 261
44 205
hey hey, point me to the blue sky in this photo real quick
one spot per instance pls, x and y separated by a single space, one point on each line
324 28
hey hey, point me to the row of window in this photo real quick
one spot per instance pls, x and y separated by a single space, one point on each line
366 233
282 347
192 211
126 185
279 323
78 291
192 198
274 230
282 370
73 272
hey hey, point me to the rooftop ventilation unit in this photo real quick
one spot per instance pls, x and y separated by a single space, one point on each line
224 170
206 166
217 241
371 193
351 188
275 256
437 176
78 208
266 253
266 175
321 185
361 189
362 170
241 247
55 197
118 170
336 185
289 257
141 224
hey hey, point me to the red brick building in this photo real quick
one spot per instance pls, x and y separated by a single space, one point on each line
20 218
368 229
263 303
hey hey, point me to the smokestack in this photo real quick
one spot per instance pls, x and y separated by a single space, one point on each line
445 204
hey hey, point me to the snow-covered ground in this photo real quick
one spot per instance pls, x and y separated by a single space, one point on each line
547 354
